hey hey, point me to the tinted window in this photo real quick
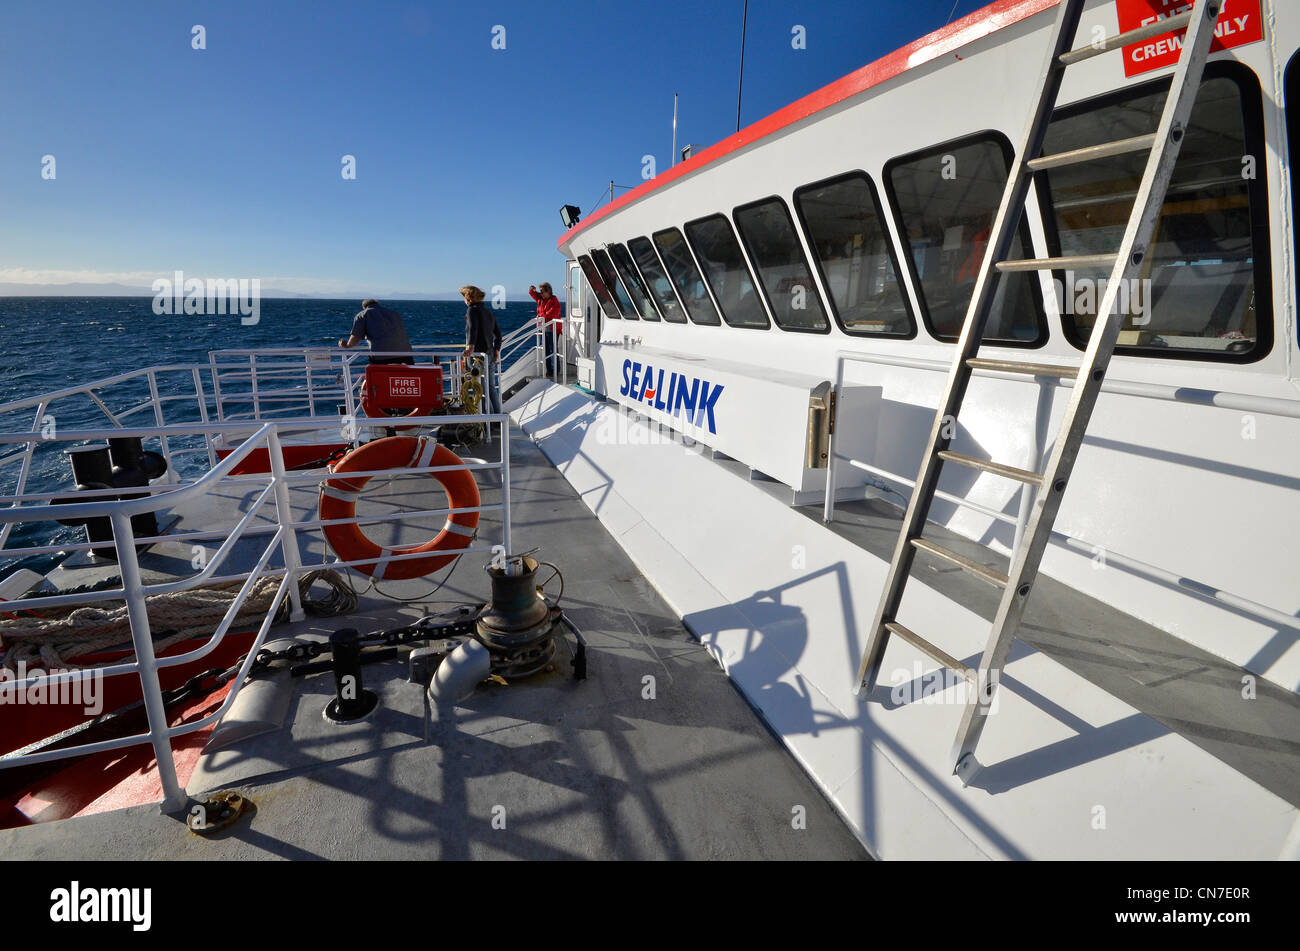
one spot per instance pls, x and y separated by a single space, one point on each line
597 284
724 266
632 281
945 199
851 247
768 233
612 282
1197 290
686 277
656 281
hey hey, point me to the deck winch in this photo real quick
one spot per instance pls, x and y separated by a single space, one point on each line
121 464
517 625
510 637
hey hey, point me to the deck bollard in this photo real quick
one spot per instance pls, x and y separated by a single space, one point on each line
351 700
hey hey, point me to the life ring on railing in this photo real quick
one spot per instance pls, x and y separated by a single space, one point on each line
338 500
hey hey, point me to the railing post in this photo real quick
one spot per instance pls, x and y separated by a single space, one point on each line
158 419
505 484
142 639
252 378
202 401
284 514
216 388
828 506
24 469
311 383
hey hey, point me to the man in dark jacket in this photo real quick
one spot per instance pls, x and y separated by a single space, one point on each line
482 335
383 328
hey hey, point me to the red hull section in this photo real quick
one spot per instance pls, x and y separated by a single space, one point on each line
117 778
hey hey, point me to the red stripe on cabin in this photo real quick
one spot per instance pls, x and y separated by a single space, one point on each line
930 47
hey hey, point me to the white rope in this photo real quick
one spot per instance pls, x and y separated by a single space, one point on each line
57 636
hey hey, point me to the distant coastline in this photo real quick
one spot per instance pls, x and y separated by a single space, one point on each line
122 290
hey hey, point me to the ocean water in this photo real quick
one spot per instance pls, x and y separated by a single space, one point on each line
49 343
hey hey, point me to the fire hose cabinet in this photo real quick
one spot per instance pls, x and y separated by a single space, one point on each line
392 386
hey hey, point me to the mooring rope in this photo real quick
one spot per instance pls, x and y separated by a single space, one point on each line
60 635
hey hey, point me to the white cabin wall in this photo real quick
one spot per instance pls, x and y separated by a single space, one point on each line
1173 485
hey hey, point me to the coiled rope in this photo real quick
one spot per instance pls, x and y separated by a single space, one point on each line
60 635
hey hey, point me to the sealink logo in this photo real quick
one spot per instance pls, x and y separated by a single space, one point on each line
672 393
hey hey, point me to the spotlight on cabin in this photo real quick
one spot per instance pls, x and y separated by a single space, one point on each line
569 215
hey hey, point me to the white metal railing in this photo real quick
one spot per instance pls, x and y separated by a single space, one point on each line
1268 406
282 536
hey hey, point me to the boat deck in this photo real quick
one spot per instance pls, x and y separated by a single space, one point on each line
547 768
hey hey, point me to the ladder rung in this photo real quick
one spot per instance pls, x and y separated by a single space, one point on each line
1091 153
997 468
1028 369
1167 25
983 572
1054 264
935 653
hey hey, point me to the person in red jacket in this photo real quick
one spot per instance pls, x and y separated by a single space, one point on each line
550 318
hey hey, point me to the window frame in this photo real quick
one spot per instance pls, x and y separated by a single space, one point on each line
1252 125
1026 237
641 288
762 284
595 293
699 273
881 217
601 250
672 287
744 259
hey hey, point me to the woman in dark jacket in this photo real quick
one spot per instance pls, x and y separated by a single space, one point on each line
482 335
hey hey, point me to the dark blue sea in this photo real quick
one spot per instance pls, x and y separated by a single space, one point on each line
49 343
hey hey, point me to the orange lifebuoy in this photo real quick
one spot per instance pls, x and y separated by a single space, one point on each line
338 500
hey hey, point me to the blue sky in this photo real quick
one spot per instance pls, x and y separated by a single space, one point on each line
226 161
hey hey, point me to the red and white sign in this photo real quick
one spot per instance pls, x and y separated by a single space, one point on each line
1239 23
404 386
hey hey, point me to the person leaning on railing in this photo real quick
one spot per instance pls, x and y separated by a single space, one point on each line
550 318
483 335
384 329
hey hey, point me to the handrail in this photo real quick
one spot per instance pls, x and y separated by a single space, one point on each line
282 538
1223 399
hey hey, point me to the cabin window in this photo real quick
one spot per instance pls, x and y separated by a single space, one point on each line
1203 291
597 285
610 277
773 246
715 245
686 277
945 199
636 288
656 281
843 221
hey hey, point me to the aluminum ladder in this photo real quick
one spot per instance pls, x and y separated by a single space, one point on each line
1016 585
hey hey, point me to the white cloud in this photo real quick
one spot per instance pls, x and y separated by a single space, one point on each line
145 279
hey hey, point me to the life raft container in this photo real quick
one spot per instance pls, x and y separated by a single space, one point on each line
338 500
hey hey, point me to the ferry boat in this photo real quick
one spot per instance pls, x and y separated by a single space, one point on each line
762 338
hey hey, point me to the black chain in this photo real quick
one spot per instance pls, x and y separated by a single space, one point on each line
459 623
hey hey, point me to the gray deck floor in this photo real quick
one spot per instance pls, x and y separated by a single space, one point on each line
1189 690
550 768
